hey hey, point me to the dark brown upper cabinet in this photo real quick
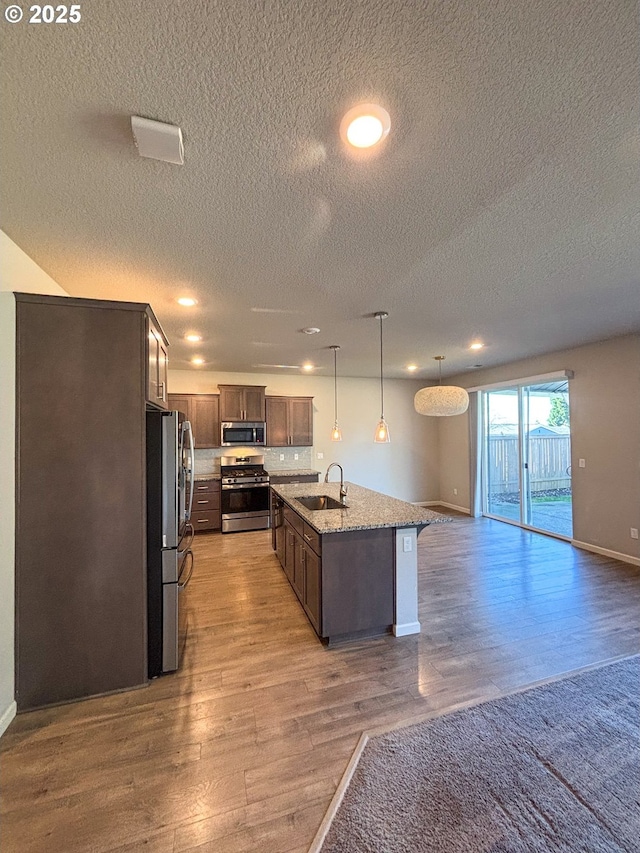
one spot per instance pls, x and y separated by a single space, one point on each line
157 364
242 403
289 421
203 411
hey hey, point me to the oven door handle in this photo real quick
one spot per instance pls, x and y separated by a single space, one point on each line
246 486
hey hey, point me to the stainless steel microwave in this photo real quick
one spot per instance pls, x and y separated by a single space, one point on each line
239 433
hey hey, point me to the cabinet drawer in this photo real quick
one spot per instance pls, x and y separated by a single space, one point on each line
312 538
294 520
205 501
206 487
206 520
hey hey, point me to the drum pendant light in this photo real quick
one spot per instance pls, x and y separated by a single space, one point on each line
440 400
381 435
336 432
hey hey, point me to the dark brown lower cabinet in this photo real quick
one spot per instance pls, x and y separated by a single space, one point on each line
312 588
298 567
344 581
290 548
205 512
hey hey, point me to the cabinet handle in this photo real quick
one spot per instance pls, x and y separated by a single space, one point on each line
161 396
203 521
203 502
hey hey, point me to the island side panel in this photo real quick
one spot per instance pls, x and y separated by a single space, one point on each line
357 581
405 619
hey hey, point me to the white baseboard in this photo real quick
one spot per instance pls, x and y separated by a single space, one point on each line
406 628
606 552
7 717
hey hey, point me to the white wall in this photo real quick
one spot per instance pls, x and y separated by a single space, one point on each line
407 468
604 398
17 272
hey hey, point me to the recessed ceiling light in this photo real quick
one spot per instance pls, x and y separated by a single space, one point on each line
311 330
307 366
193 338
365 125
187 301
476 345
412 367
197 360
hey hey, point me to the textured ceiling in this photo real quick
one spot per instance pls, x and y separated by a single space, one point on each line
504 204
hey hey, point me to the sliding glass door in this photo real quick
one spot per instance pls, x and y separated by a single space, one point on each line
502 463
526 456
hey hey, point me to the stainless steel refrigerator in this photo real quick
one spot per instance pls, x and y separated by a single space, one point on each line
170 472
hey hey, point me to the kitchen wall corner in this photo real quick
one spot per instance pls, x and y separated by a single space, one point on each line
17 273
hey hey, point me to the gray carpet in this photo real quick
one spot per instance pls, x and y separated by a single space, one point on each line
555 768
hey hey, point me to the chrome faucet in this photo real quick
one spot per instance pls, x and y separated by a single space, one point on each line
343 488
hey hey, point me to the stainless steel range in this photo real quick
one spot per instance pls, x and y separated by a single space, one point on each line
244 493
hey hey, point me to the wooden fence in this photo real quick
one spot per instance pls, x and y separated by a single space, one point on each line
549 461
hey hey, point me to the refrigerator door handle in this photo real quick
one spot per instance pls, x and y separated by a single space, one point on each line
186 427
189 534
188 559
171 438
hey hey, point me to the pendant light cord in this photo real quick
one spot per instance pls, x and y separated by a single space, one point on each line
381 379
335 385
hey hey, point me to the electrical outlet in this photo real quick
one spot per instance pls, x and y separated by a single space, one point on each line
406 544
634 532
455 491
282 457
295 456
581 463
320 455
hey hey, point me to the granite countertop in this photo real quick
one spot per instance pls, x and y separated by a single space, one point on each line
292 472
365 509
210 476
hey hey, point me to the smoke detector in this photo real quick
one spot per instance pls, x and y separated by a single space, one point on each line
311 330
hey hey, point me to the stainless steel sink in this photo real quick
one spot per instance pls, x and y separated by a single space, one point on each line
316 502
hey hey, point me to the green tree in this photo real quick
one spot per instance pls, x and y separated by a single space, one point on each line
559 414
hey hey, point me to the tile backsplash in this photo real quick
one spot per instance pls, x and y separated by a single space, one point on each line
208 461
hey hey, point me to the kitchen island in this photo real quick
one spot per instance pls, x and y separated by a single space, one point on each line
354 568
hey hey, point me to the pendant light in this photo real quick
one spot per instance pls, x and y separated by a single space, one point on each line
381 435
441 401
336 432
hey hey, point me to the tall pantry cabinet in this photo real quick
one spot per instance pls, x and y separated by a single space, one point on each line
86 371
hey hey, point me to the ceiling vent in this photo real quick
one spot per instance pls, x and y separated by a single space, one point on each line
158 140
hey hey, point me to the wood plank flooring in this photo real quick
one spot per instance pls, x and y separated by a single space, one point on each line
242 750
